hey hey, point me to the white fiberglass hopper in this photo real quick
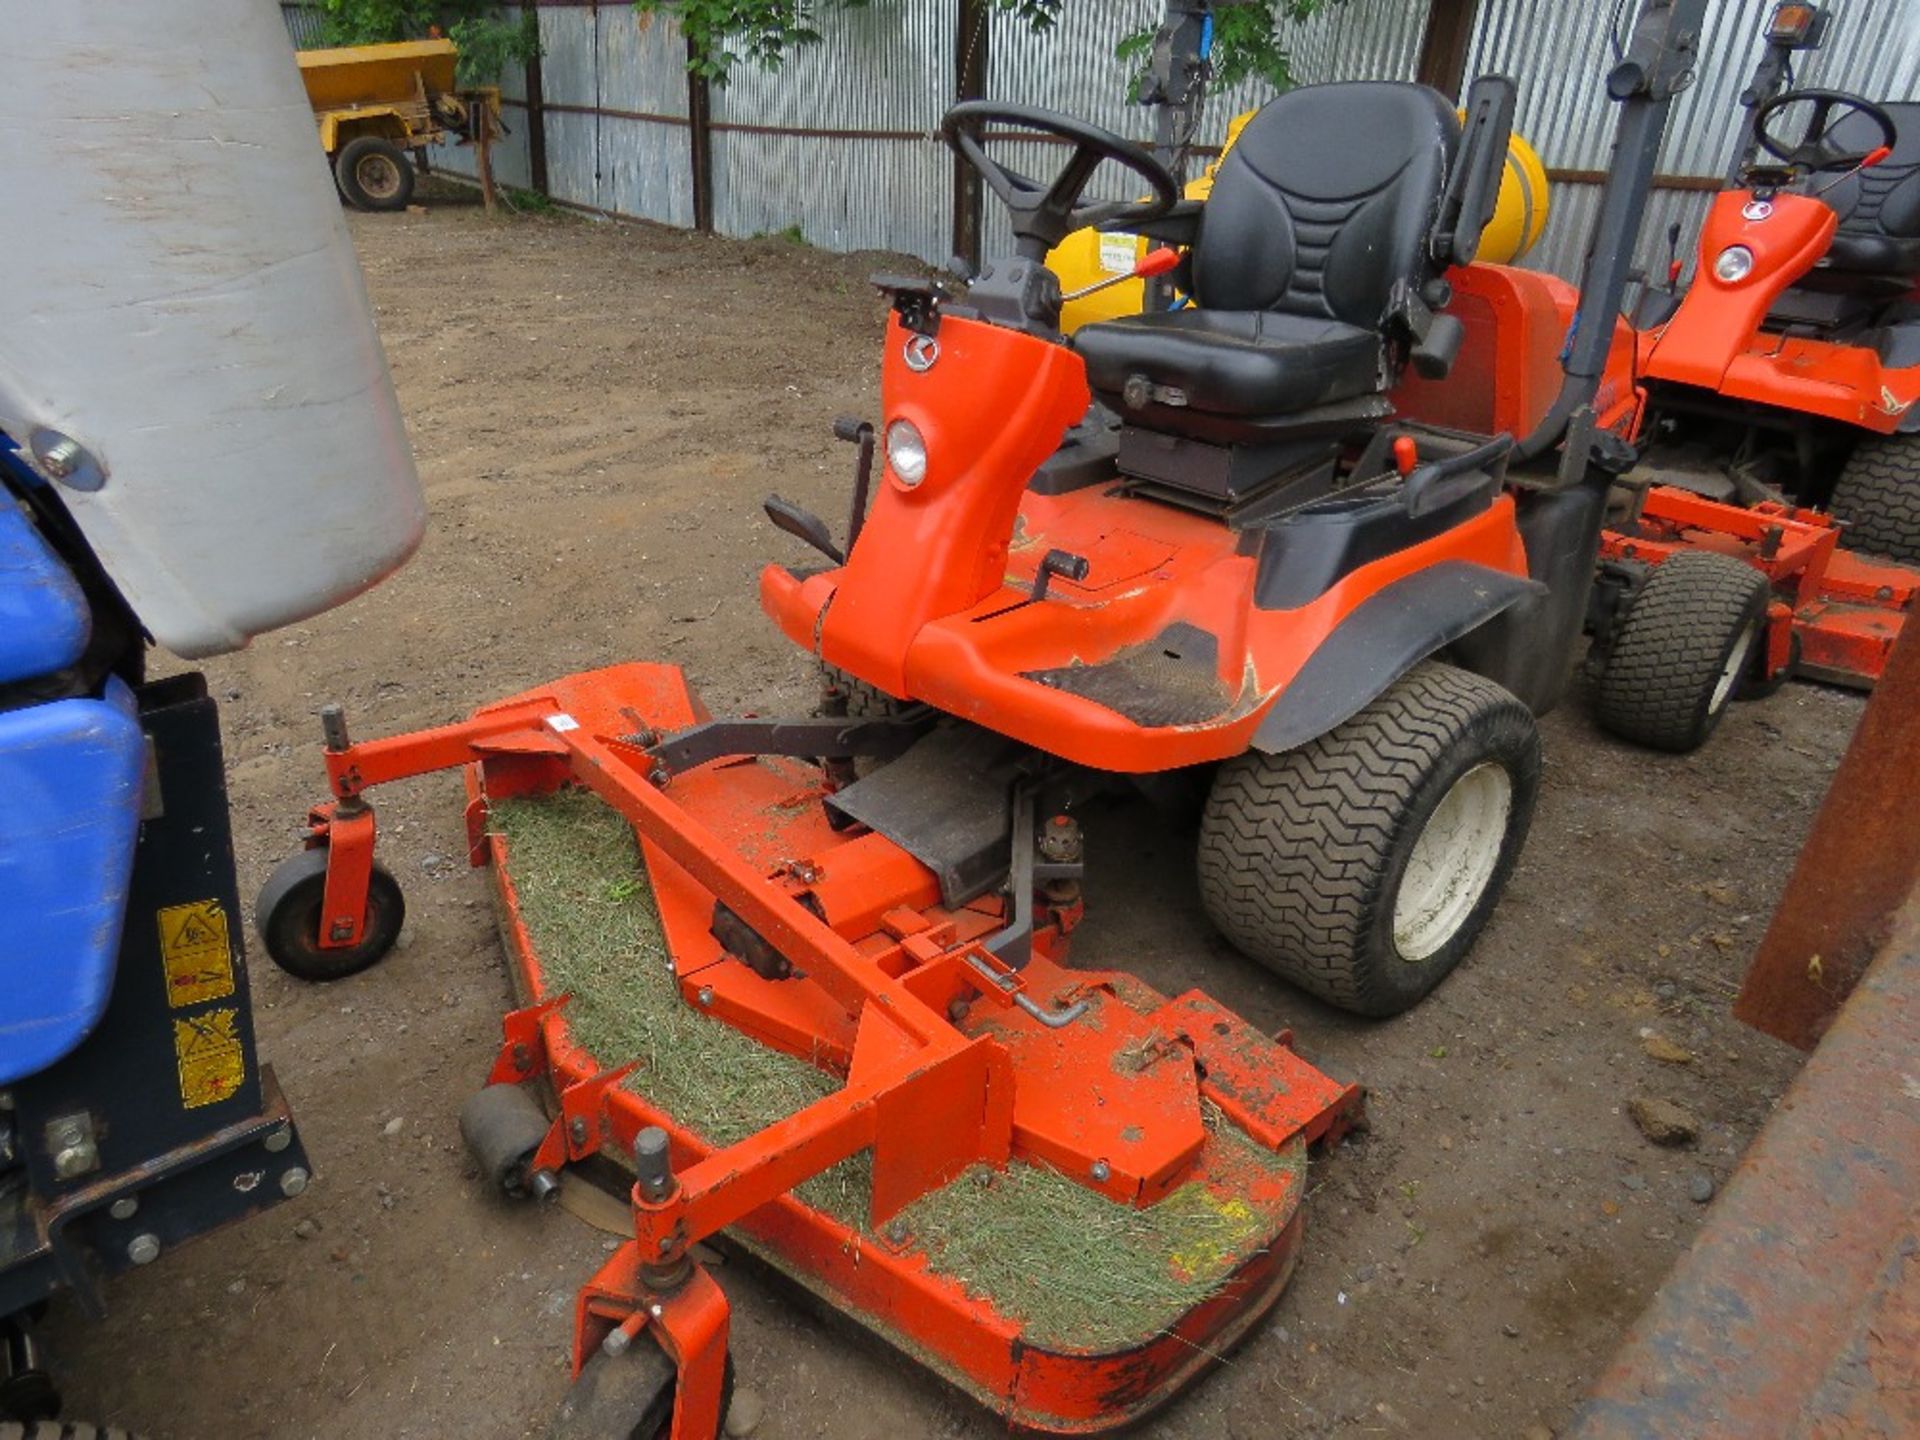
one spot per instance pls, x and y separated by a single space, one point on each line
185 341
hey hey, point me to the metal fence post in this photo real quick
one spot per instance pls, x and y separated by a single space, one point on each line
700 143
970 83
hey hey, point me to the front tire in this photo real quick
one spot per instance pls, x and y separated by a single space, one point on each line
1363 865
374 174
1682 651
1878 495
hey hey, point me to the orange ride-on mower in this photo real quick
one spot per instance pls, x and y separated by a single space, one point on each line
1787 372
1062 1192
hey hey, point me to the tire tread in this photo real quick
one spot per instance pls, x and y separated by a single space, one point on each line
1878 495
1294 848
1668 654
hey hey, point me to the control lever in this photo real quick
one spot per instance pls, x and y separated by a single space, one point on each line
1154 262
857 432
1483 466
1063 563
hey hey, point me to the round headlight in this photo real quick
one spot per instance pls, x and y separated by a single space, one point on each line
907 453
1733 264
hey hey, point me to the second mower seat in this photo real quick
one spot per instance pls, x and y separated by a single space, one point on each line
1317 228
1879 208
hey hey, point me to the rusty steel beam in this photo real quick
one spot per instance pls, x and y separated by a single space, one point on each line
1797 1311
1860 862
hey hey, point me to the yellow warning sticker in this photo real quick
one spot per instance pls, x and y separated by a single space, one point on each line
194 948
212 1062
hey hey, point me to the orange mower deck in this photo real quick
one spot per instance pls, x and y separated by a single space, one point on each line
952 1064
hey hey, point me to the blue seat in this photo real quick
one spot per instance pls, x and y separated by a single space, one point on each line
71 770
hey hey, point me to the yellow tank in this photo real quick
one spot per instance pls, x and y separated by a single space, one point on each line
1086 256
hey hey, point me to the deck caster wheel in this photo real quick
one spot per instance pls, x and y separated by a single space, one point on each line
1363 865
625 1397
502 1127
1756 684
287 915
1682 651
27 1391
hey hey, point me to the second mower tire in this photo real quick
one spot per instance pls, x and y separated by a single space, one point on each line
1878 495
1682 651
1363 865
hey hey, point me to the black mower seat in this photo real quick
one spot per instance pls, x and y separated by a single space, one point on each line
1317 227
1879 208
1239 362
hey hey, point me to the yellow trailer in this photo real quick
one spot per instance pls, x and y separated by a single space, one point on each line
375 103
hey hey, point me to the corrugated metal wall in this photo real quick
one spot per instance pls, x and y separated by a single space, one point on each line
1558 52
882 77
303 24
840 142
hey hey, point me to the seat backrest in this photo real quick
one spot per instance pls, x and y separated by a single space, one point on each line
1884 200
1325 204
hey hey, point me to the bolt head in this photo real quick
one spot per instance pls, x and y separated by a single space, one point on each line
143 1249
577 1129
278 1140
124 1208
1102 1172
655 1311
706 995
72 1161
61 456
293 1182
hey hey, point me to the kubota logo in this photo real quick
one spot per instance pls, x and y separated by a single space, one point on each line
921 352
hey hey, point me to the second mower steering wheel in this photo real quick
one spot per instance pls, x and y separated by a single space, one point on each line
1813 152
1044 215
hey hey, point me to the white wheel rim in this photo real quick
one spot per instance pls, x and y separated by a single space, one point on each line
1730 672
1453 861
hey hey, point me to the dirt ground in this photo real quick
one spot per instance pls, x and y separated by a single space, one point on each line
598 410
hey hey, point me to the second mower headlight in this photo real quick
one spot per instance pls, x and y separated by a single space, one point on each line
1733 264
907 453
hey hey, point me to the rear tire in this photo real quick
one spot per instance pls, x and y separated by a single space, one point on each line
1682 651
374 174
1363 865
1878 495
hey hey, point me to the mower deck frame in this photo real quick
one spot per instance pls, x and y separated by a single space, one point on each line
952 1057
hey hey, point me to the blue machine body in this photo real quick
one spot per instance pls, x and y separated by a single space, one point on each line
71 769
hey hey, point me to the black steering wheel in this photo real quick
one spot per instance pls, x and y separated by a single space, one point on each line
1813 152
1044 215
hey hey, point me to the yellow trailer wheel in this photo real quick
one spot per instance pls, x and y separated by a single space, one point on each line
374 173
